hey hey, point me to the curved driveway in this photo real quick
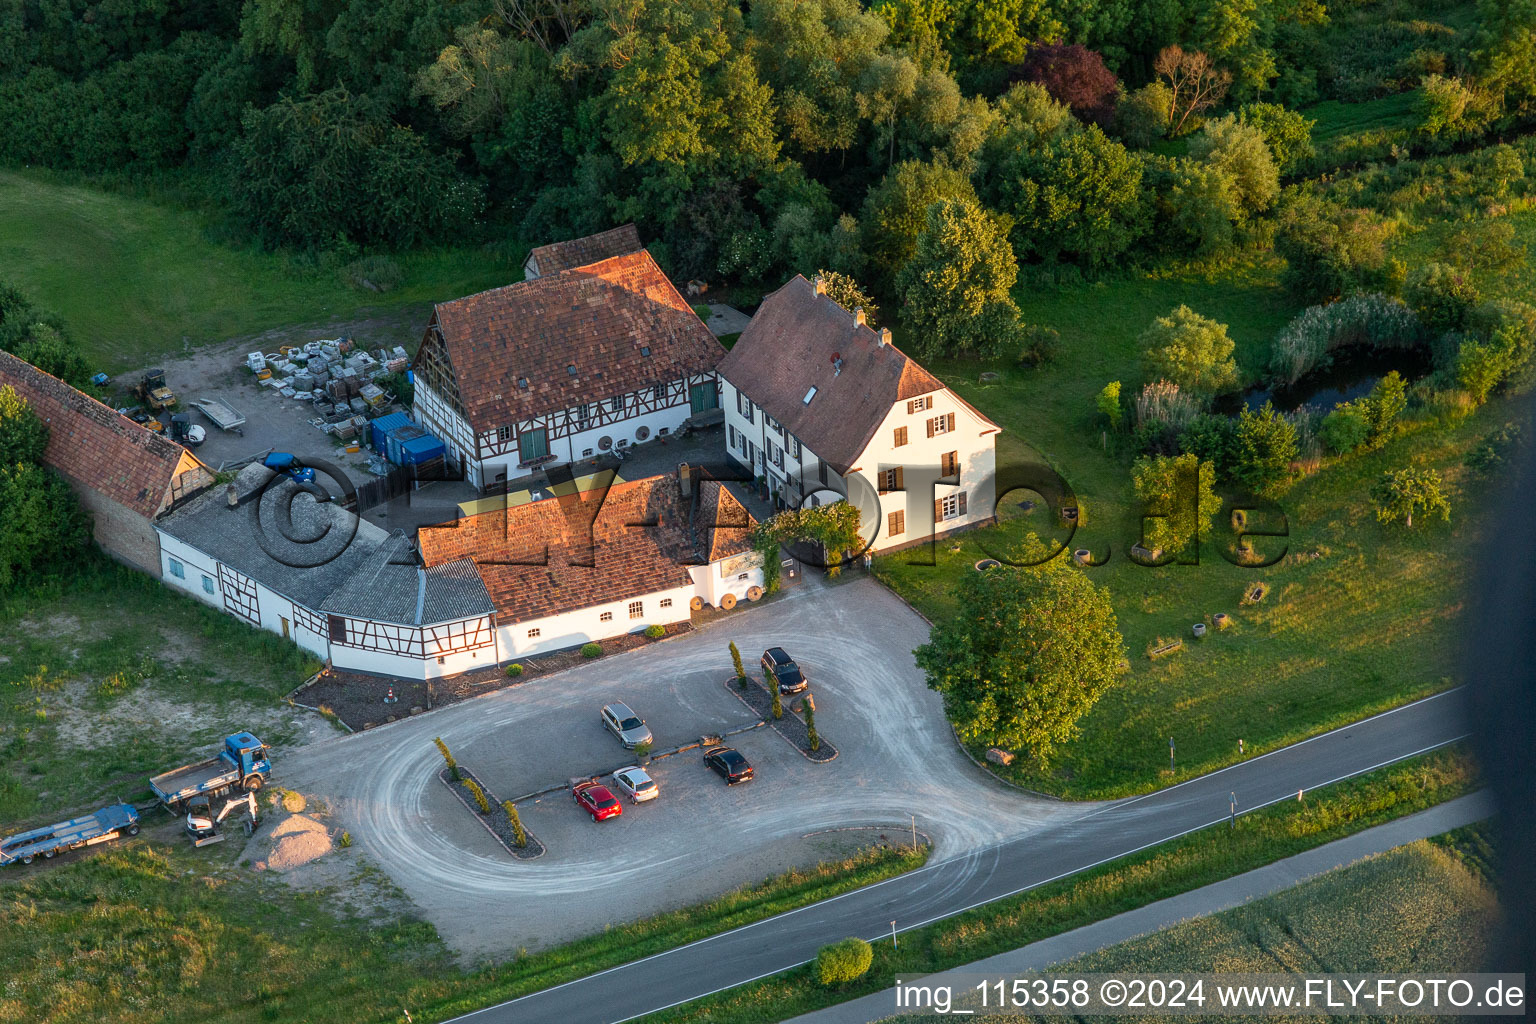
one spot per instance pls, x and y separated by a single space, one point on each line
897 759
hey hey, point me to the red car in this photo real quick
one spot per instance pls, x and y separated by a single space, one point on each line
597 800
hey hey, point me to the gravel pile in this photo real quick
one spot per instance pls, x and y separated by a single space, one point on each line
296 841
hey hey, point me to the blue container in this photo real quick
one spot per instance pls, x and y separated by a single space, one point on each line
417 450
384 426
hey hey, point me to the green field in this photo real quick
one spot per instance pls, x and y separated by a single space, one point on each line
135 279
1359 617
1418 908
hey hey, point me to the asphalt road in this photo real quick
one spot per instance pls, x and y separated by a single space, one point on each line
954 885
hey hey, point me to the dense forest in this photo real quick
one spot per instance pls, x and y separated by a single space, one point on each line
752 139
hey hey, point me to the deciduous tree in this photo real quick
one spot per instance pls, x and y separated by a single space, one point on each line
1194 79
1178 495
1190 350
956 288
1401 494
1027 654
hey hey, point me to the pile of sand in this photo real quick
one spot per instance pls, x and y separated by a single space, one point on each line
296 840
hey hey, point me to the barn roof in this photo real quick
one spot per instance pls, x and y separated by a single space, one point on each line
578 252
816 368
98 448
594 332
574 551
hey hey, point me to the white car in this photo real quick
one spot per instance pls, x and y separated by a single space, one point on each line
634 783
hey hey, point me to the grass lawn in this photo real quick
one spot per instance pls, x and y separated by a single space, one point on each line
133 278
147 930
1198 859
110 677
1418 908
1359 617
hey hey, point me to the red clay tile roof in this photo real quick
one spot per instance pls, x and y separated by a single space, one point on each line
549 260
96 447
566 553
600 319
789 347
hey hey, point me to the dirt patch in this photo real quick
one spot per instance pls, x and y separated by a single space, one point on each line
359 700
294 842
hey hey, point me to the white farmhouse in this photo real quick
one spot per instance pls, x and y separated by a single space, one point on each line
562 367
817 401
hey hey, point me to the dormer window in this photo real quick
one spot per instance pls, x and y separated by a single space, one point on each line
571 370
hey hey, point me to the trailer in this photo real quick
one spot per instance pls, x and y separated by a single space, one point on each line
243 763
221 414
52 840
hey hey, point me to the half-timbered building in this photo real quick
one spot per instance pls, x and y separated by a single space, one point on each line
562 367
610 560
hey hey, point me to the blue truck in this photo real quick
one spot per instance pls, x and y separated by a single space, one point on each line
242 764
51 840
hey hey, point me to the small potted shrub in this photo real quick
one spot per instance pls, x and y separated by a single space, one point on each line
591 650
514 670
655 632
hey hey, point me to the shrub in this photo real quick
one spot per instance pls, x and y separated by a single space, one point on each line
1108 404
453 766
1265 447
842 962
479 795
1191 351
1332 250
1493 451
514 670
1179 498
1442 295
1194 205
741 672
778 700
810 727
655 631
1345 428
591 650
642 749
344 840
1211 438
1383 406
519 834
1288 134
1308 342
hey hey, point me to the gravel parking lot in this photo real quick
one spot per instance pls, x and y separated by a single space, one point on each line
701 837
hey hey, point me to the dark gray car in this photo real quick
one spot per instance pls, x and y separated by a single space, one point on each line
625 724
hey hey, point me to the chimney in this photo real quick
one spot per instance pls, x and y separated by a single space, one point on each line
820 284
885 335
684 480
858 316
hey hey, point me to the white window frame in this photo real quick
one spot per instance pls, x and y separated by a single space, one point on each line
637 609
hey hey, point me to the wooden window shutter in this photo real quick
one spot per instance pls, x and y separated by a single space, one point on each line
899 479
938 511
962 503
930 428
950 423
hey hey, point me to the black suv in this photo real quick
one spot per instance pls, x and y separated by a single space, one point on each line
779 666
733 768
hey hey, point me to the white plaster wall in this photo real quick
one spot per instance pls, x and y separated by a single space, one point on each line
197 565
711 586
382 663
571 629
439 420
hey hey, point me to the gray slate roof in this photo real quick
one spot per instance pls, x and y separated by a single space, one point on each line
392 586
322 556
